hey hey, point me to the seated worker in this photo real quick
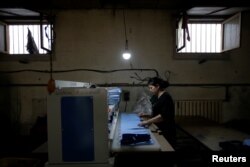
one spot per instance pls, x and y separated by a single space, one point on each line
163 111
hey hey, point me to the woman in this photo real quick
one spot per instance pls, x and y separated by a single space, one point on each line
163 112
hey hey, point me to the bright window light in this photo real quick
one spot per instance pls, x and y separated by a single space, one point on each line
205 38
18 38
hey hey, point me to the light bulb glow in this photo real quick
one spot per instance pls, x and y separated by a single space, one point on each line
126 55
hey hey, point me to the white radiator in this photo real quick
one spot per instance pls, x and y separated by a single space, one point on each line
208 109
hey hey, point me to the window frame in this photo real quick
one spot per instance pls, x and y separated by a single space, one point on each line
223 55
25 58
237 32
4 36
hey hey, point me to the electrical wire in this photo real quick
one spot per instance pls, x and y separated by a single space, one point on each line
124 22
138 78
74 70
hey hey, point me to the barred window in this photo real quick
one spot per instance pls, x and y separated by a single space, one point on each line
20 41
209 39
204 38
26 35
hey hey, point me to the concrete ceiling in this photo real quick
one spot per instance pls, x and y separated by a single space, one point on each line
133 4
17 8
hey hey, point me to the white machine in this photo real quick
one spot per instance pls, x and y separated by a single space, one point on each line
71 84
77 128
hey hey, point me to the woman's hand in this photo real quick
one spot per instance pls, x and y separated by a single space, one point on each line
143 123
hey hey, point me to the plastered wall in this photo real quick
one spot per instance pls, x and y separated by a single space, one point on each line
94 39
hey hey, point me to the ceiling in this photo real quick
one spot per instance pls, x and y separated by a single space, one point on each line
16 8
89 4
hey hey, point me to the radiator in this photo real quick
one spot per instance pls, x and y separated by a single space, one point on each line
208 109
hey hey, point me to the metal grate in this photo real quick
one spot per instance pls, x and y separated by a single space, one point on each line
18 38
204 38
208 109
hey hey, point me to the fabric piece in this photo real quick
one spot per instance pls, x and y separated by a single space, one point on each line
131 133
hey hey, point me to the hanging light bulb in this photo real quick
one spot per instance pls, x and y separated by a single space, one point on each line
126 54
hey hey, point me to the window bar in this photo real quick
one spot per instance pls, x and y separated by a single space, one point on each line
23 40
187 45
209 38
216 37
17 39
38 37
213 37
194 38
15 36
191 33
198 38
212 41
217 44
205 36
11 37
201 38
33 34
20 34
214 33
25 34
51 37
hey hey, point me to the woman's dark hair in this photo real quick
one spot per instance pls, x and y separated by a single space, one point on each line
156 81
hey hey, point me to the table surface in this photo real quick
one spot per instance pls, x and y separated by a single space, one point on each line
131 120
